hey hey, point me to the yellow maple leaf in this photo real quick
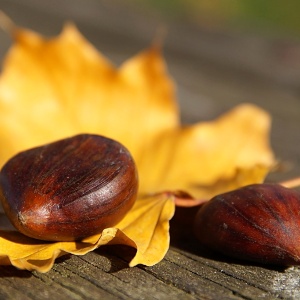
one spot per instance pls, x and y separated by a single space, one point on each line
55 88
149 236
59 87
209 158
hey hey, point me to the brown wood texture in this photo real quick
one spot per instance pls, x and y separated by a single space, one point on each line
213 72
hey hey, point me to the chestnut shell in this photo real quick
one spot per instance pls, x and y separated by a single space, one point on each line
259 223
69 189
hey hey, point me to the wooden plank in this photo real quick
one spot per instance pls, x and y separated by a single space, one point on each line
213 73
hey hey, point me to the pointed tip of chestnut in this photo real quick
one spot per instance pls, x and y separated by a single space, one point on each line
69 189
259 223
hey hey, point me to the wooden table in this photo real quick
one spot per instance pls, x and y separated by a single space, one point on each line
214 71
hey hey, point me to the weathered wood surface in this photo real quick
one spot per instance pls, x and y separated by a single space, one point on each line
213 72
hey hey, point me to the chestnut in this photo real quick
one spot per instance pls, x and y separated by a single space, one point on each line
69 189
259 223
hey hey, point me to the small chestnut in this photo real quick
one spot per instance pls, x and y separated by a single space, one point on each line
69 189
259 223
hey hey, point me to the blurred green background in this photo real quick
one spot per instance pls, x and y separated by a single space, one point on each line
275 17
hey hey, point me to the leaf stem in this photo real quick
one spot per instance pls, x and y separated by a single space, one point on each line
159 37
6 23
183 202
291 183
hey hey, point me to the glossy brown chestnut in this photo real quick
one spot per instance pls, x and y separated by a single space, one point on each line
69 189
259 223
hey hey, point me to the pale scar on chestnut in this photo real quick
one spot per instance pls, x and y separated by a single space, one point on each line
69 189
259 223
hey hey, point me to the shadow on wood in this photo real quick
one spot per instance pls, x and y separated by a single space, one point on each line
10 271
119 256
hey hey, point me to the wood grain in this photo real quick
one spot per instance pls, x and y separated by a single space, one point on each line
214 71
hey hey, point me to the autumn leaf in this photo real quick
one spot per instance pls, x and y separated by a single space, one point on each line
58 87
209 158
143 228
70 88
79 91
